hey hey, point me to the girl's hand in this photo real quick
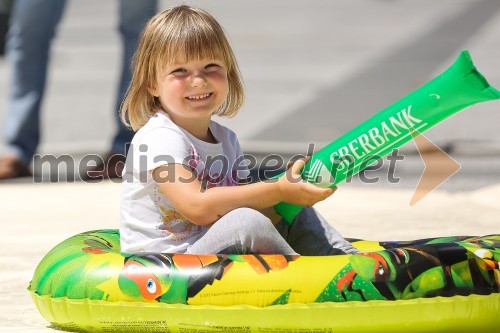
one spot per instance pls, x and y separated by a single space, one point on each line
297 191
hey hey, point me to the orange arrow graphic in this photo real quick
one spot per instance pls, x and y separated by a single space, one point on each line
439 166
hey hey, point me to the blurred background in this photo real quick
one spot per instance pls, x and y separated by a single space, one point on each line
312 71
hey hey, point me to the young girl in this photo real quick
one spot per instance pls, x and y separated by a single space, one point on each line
180 192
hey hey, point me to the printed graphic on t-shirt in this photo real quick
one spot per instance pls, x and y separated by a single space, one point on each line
175 227
215 174
172 225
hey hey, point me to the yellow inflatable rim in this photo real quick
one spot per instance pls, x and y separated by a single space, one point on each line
439 314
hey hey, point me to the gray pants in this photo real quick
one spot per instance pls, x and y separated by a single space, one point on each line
245 230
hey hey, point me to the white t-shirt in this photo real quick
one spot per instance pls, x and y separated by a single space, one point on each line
149 221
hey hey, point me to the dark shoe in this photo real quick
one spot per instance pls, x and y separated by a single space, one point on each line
12 167
111 168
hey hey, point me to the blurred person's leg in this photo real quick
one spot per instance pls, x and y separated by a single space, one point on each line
133 15
32 28
5 8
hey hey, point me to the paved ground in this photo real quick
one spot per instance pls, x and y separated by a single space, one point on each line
312 70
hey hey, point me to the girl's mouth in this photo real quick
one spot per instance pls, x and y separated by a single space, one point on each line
199 97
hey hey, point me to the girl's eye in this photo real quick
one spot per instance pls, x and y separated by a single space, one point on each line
179 71
211 67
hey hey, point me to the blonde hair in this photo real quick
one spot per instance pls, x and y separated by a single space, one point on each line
178 33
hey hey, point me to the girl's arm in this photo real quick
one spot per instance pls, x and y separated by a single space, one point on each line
203 207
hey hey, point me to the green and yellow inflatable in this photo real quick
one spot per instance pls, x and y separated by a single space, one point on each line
440 284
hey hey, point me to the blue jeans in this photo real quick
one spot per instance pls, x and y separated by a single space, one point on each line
33 25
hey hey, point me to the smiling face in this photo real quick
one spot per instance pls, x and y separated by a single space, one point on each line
192 90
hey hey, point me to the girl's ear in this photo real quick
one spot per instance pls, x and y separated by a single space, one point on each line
153 91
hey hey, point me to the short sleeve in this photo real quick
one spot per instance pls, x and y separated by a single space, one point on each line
159 146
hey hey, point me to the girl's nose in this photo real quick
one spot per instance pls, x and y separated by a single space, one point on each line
197 80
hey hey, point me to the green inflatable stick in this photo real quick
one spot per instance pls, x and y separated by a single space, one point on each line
458 87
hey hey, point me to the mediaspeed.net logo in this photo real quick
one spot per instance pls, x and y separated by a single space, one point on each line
438 167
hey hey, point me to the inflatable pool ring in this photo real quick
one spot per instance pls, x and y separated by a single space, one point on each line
432 285
458 87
